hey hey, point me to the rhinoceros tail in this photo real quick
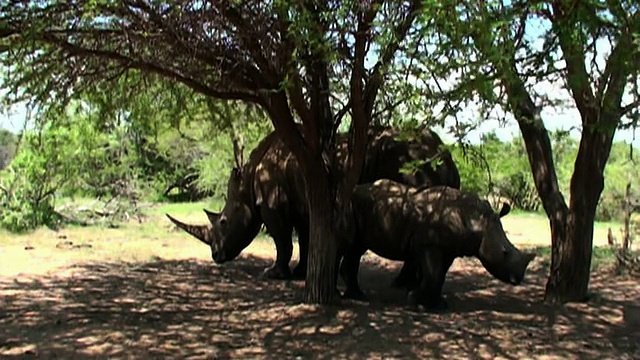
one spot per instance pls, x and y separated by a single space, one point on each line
197 231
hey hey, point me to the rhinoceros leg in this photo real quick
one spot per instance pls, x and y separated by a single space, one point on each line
408 277
300 271
349 272
280 231
433 266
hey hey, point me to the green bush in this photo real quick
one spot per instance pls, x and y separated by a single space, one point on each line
42 167
519 188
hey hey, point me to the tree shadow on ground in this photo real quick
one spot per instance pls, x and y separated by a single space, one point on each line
194 309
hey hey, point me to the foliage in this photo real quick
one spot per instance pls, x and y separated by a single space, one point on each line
91 150
499 168
42 167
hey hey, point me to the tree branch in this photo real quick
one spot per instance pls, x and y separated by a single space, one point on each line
614 78
627 108
296 96
578 78
294 82
251 42
360 118
387 54
341 113
537 143
276 105
152 68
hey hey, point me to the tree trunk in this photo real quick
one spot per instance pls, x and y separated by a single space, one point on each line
572 247
628 209
320 188
571 242
320 285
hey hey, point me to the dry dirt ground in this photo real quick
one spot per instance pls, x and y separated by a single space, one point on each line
92 293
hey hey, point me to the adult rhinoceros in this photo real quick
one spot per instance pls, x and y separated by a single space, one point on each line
269 189
428 228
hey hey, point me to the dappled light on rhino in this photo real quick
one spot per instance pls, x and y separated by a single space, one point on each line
428 228
269 189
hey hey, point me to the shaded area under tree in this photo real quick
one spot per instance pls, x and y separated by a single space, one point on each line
191 309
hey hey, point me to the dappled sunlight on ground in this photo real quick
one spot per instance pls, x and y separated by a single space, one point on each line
194 309
148 291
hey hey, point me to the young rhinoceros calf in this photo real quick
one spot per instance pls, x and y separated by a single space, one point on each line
428 228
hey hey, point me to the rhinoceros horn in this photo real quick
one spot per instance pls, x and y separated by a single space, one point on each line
198 231
212 216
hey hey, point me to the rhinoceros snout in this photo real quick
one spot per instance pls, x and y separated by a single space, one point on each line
218 257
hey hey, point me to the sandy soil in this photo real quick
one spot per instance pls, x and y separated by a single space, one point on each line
99 295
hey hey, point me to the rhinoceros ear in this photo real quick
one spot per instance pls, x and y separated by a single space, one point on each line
505 209
212 216
197 231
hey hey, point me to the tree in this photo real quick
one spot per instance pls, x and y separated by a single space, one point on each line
288 57
488 44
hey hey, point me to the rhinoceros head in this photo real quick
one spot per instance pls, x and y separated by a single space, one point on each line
498 255
238 223
231 230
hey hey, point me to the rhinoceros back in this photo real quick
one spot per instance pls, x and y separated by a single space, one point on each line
385 219
459 217
391 152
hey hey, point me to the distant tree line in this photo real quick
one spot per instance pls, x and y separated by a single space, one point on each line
501 169
191 160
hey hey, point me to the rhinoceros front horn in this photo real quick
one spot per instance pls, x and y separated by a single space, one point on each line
197 231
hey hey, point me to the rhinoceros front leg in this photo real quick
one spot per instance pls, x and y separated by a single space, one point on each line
300 271
433 266
280 231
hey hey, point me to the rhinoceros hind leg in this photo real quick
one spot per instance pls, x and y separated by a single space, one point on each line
355 294
407 278
434 264
431 304
277 272
349 270
300 271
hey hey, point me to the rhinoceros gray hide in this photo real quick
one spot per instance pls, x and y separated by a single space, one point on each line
428 227
269 189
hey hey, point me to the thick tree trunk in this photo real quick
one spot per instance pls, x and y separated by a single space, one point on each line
571 242
572 248
321 186
320 286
